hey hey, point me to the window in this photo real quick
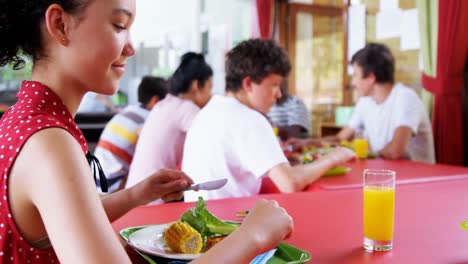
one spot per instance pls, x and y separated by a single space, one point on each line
317 49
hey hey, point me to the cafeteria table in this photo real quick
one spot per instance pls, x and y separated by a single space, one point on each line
407 171
328 224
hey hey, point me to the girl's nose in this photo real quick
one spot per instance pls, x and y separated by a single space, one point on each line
129 50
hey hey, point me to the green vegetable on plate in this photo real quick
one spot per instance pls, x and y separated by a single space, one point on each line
205 222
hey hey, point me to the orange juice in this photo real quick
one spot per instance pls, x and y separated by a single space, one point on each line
361 147
379 209
276 131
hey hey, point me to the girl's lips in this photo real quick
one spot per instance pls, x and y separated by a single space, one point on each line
119 68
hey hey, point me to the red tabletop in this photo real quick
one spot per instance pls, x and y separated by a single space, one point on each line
406 172
329 224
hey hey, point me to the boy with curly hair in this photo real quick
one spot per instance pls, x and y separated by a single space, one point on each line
231 138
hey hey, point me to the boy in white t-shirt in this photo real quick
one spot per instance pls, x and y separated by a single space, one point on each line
391 116
231 138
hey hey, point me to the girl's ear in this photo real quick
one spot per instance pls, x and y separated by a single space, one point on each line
57 23
194 86
247 84
152 102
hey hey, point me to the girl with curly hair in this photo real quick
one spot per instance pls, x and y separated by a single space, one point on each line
49 209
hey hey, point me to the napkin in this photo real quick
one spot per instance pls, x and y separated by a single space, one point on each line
260 259
263 258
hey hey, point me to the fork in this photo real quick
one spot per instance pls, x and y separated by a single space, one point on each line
241 215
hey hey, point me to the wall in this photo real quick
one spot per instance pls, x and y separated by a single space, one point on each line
407 68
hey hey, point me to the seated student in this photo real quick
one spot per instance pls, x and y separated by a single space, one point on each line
289 115
231 138
117 143
50 211
392 116
162 137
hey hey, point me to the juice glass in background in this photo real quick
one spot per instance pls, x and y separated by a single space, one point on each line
379 209
276 131
361 147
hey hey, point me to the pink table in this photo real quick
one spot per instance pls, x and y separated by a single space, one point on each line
407 172
329 224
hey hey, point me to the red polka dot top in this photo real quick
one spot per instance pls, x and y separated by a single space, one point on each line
38 107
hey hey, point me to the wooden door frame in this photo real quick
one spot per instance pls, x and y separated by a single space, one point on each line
288 30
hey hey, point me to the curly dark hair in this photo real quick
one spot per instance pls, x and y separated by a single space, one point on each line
20 26
255 58
192 67
378 59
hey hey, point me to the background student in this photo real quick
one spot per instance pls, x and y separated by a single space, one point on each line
231 138
162 138
117 142
289 115
391 115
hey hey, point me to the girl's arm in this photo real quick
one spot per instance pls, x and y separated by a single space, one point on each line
52 172
165 184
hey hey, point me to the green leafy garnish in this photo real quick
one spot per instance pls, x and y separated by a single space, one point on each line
338 170
464 225
205 222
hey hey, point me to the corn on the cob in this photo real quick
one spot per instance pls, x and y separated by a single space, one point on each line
182 238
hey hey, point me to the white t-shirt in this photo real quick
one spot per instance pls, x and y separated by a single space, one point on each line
401 108
229 140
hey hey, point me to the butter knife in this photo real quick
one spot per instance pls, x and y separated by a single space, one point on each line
209 185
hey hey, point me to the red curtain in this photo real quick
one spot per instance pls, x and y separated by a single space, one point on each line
264 11
452 53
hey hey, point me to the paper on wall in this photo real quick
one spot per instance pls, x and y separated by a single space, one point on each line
388 24
410 37
356 30
385 5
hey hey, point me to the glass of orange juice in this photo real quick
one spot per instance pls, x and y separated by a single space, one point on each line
361 147
379 209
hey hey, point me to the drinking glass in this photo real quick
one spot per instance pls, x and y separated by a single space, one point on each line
379 209
360 145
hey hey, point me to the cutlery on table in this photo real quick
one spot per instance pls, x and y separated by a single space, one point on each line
241 215
209 185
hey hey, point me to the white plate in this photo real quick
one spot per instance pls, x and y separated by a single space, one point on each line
150 240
